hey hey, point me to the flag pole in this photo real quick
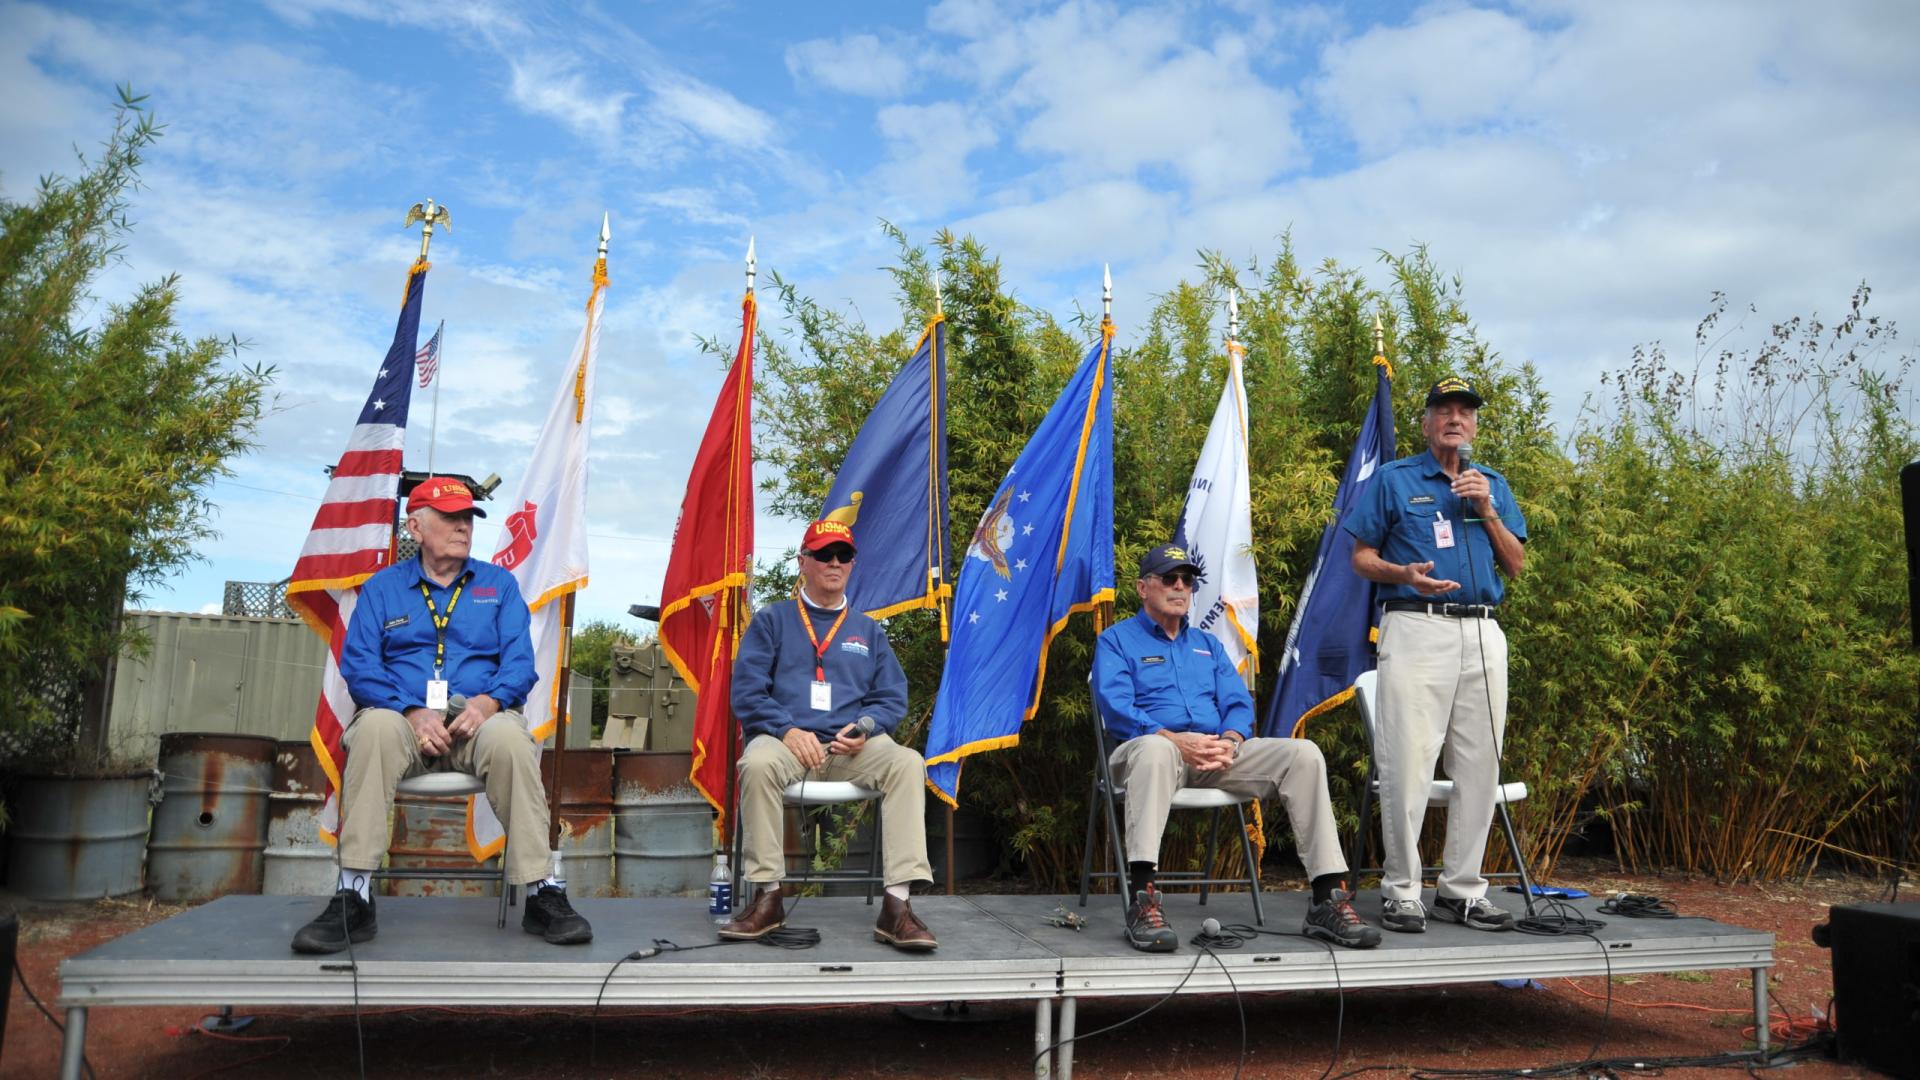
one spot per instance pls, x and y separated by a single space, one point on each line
1103 611
731 602
1251 672
563 675
433 433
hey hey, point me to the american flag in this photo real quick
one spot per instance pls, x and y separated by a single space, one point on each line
428 358
352 535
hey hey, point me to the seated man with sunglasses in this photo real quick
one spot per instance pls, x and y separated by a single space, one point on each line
1183 718
818 692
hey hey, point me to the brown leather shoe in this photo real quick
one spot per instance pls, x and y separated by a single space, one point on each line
762 917
899 927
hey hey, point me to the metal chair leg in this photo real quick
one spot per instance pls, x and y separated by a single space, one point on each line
873 857
1213 855
1253 867
1086 849
1119 848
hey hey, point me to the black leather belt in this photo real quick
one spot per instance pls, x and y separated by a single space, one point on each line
1451 611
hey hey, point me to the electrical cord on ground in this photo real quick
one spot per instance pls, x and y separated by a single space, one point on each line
1245 933
51 1019
1164 998
1207 941
1638 906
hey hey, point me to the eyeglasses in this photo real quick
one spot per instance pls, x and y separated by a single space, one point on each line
835 554
1177 577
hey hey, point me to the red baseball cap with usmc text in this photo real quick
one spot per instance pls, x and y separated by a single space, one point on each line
445 494
824 532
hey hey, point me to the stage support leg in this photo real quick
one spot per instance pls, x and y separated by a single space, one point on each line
73 1050
1069 1013
1762 1035
1042 1039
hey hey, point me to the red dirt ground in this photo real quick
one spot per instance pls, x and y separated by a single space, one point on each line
1289 1035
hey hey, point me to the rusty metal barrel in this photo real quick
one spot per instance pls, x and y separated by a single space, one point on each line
77 838
298 862
430 833
586 818
663 827
210 829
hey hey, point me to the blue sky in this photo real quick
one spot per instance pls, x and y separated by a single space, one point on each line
1592 170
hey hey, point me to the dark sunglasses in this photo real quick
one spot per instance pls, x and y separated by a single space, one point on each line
838 553
1177 577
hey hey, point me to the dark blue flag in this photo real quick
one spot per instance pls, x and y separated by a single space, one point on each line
1042 551
1331 640
892 489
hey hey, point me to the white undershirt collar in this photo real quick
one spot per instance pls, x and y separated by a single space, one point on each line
822 607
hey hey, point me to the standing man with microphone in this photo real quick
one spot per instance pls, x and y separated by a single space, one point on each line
818 693
1437 533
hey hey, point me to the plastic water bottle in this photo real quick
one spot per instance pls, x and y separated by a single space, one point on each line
720 890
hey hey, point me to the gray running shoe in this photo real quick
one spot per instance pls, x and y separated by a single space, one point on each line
1406 916
1478 912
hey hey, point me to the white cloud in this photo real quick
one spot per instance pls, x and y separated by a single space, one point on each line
1453 69
855 64
556 88
710 112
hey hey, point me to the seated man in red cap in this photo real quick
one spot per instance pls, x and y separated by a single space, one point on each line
818 693
426 634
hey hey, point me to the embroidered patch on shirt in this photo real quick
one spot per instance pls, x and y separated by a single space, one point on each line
855 645
397 620
1153 659
1419 500
1204 652
485 590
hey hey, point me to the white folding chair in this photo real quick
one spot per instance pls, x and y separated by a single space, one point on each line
452 785
1106 793
811 797
1366 691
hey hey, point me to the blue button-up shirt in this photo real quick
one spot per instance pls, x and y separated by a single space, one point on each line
388 655
1146 682
1397 513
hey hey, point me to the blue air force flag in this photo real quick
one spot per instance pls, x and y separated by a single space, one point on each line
1330 641
1042 551
892 488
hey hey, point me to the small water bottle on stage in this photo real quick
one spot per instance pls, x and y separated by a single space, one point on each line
720 890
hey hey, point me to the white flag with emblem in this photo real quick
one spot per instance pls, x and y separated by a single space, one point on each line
1217 529
544 540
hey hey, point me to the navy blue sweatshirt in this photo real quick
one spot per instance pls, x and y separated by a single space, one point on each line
773 673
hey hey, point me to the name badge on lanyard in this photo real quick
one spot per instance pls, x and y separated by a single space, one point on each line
1442 532
437 686
436 694
822 696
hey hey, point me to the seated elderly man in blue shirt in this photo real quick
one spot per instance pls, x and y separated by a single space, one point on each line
437 658
1183 718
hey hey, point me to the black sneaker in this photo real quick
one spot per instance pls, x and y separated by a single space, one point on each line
1147 928
1478 913
549 915
347 919
1336 921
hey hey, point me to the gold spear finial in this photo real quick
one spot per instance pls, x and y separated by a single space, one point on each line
1233 313
1106 291
936 292
606 233
432 215
1379 337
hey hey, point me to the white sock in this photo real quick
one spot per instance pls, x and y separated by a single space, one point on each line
898 892
552 883
355 880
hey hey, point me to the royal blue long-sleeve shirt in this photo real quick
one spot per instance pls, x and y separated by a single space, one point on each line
1147 682
773 673
389 652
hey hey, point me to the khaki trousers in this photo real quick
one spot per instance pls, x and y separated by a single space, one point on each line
1435 685
381 752
1149 768
896 771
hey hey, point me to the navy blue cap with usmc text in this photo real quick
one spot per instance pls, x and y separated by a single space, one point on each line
1169 557
1453 387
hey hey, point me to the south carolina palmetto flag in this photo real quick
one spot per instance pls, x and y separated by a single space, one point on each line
352 536
1216 528
543 542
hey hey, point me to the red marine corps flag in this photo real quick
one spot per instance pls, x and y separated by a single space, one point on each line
703 608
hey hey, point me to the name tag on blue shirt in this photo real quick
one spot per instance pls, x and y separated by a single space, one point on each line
1153 659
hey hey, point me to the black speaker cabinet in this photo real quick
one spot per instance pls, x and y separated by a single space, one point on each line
1876 985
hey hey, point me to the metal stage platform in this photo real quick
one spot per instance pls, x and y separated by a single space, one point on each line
448 952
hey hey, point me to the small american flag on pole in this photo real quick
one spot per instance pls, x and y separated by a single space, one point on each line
428 358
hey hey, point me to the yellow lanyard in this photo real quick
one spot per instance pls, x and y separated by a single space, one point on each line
819 647
440 621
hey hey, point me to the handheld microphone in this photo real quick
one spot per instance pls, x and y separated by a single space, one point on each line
1211 927
1466 456
867 726
456 705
